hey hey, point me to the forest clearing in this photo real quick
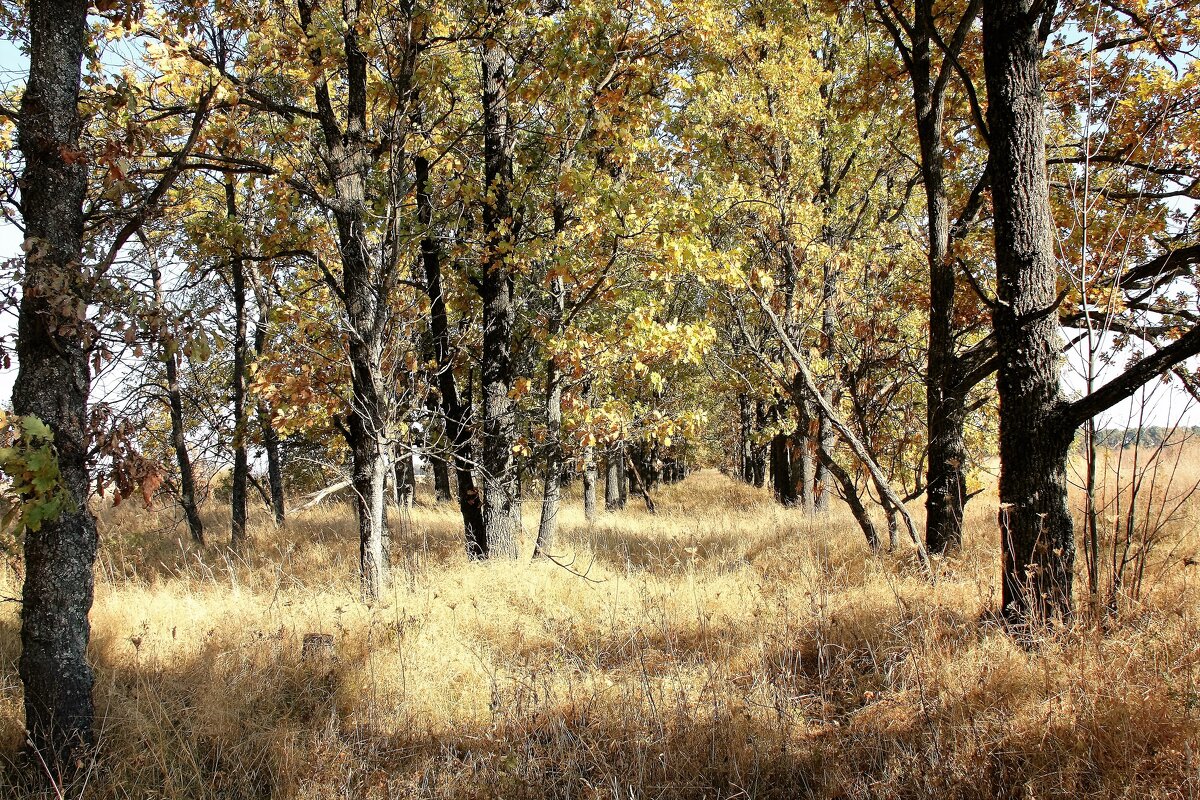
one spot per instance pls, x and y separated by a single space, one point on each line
724 647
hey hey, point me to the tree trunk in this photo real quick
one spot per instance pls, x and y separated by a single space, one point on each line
612 480
589 483
760 450
436 453
745 455
1037 536
499 423
363 291
622 476
945 404
183 460
781 470
274 462
270 437
804 464
861 515
405 478
241 416
552 487
370 459
454 411
52 384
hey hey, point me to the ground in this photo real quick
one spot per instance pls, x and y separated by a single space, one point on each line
723 647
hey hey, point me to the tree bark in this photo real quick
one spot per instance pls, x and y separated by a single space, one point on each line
183 459
760 451
52 384
270 437
944 382
552 487
1037 536
781 470
612 479
241 415
363 291
589 483
454 412
745 455
496 290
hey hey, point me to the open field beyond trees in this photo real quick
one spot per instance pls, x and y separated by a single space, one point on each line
724 647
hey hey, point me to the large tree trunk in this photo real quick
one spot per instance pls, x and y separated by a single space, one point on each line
454 412
241 415
499 423
363 292
1037 536
52 384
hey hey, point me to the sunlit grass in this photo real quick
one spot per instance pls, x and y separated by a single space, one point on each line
724 647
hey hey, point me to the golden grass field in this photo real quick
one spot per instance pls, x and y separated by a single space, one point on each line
722 648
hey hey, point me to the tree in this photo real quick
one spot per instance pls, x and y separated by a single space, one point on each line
950 374
52 385
1037 424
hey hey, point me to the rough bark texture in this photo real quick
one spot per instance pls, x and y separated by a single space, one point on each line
612 480
945 415
363 291
945 386
496 290
1037 536
52 384
241 413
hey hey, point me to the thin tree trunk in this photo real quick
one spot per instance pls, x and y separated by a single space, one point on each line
612 480
622 476
861 515
745 455
270 437
241 416
52 384
760 451
454 411
183 459
552 487
589 483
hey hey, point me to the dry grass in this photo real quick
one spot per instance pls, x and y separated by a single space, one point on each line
723 648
